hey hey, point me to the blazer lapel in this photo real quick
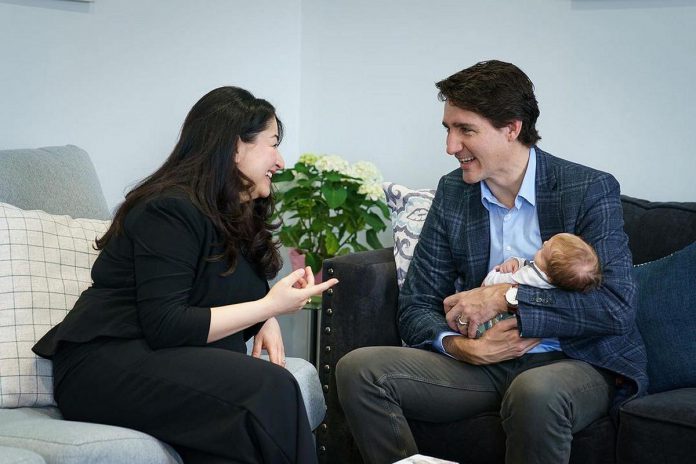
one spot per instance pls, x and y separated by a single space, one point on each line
548 197
478 239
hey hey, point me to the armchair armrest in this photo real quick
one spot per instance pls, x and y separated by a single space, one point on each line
359 311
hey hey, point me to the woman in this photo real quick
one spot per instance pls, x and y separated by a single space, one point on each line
157 343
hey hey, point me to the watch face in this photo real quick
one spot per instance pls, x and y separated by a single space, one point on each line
511 296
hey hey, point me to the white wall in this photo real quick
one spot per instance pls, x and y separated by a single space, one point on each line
613 78
117 77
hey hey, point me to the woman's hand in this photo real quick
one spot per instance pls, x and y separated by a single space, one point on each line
270 339
282 299
293 291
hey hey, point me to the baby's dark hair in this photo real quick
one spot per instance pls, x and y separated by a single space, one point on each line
573 264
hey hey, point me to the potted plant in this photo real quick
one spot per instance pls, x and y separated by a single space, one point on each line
329 207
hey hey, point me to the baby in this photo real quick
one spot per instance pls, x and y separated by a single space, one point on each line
564 261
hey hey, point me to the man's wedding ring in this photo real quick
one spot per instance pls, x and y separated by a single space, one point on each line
460 322
309 300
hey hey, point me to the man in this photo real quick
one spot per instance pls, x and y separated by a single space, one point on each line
566 357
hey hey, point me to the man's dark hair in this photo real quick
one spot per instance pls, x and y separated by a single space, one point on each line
498 91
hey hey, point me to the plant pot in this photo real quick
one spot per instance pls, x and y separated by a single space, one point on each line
297 261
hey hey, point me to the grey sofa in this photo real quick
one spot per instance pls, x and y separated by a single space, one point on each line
62 181
659 428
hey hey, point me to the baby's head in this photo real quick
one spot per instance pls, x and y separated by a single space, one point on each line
570 263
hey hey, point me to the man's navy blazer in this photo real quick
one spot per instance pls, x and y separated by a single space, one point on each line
453 252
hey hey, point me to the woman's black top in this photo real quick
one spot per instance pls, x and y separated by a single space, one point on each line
156 281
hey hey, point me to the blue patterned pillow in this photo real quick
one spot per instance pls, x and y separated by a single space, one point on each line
667 320
408 211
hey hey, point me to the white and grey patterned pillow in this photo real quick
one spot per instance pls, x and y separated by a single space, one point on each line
408 209
45 264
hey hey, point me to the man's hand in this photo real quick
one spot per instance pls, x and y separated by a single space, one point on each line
499 343
509 266
465 311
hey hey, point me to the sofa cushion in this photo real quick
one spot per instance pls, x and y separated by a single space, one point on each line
19 456
408 209
58 180
658 429
666 292
645 220
308 379
45 263
58 441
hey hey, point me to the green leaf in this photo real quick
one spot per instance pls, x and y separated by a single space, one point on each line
374 221
335 197
384 208
288 236
291 194
318 225
314 261
285 175
333 176
372 240
301 167
358 246
331 244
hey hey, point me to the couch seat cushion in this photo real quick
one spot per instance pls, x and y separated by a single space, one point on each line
59 441
308 379
19 456
658 429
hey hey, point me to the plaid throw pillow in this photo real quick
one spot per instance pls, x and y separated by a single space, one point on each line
45 264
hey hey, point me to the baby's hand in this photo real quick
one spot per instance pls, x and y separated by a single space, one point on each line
511 265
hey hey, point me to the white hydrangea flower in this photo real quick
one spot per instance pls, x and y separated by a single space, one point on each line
366 171
308 158
372 190
332 163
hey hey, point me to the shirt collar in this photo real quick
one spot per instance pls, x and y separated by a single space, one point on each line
527 189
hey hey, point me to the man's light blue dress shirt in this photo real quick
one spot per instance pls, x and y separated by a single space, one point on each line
514 232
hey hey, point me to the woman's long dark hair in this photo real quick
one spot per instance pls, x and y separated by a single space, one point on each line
203 165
